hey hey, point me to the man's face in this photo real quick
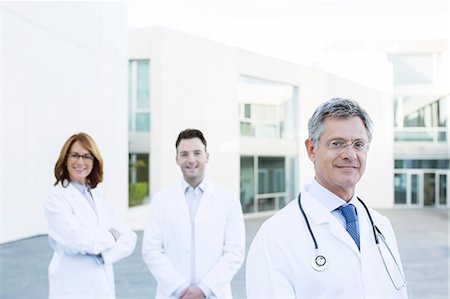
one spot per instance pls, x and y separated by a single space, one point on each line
339 172
192 159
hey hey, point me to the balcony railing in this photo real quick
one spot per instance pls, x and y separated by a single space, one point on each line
421 134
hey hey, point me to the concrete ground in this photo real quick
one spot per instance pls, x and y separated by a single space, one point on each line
422 235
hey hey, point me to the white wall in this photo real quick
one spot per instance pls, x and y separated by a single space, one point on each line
64 70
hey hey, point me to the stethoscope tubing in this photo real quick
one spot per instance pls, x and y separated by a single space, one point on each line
316 246
319 262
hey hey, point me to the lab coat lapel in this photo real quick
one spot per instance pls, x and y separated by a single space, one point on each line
102 218
82 204
180 200
206 201
320 216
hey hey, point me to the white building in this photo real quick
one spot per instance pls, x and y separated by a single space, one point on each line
421 101
65 69
253 110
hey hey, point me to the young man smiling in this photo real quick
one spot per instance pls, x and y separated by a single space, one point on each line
194 240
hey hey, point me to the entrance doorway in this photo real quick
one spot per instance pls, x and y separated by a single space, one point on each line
419 188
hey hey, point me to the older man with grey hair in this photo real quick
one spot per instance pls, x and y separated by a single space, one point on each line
327 243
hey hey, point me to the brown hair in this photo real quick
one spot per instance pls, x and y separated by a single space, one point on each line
189 134
86 141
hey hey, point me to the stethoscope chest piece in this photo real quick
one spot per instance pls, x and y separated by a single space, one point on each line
319 263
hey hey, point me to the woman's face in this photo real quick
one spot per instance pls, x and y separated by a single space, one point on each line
79 163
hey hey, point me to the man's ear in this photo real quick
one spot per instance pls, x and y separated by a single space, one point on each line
309 144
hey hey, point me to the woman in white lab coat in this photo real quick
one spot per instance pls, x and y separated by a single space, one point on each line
85 232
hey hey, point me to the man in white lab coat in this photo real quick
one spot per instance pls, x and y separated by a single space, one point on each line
324 243
194 240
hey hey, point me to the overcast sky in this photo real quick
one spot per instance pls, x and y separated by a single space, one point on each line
283 29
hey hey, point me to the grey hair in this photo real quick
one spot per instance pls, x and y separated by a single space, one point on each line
337 108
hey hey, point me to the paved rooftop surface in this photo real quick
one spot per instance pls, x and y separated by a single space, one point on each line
422 235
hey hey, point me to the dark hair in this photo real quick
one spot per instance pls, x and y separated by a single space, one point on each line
189 134
337 108
86 141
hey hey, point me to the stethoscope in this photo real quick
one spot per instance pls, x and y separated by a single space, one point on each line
320 263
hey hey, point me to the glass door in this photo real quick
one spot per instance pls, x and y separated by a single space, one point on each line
436 191
442 192
408 184
429 191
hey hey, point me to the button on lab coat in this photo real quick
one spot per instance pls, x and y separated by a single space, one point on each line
279 263
77 234
219 235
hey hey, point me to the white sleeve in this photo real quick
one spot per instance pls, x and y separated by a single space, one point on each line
233 250
155 256
69 234
267 269
125 244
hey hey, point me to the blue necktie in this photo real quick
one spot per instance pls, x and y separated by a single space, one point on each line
349 213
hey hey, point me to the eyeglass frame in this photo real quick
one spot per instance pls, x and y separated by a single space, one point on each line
339 149
76 156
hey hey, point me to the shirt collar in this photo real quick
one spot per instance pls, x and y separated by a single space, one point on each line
80 187
327 198
202 186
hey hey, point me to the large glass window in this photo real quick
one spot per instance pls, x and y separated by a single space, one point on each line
263 183
267 109
425 122
422 164
139 128
139 96
138 186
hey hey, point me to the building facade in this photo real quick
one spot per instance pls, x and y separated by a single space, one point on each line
253 110
62 75
421 109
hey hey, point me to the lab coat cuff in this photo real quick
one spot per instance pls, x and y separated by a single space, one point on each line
180 289
206 291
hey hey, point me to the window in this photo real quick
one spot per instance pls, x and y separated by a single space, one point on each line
138 176
139 96
263 183
267 109
426 122
422 164
139 127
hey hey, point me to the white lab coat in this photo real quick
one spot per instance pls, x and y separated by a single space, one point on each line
76 235
219 235
279 262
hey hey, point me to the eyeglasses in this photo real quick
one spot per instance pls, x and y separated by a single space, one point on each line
339 145
75 156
